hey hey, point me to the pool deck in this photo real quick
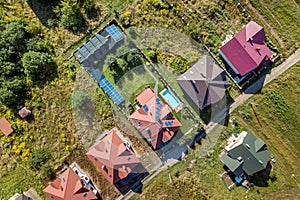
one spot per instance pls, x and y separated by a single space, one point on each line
178 107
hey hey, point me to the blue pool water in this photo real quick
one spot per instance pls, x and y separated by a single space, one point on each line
170 98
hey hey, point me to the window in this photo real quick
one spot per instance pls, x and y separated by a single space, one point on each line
85 195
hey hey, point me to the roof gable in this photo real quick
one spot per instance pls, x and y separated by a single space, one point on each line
205 83
246 155
112 157
246 50
68 187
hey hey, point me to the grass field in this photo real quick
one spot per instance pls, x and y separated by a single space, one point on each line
276 120
284 17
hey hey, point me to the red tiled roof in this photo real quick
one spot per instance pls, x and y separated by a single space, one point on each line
112 157
68 187
156 124
247 50
5 127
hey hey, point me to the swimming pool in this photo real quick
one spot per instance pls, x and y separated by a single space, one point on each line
170 98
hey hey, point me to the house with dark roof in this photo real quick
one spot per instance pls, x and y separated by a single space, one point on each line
204 83
5 127
68 186
154 119
114 157
246 51
245 155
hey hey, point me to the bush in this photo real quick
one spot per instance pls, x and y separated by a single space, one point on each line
46 171
38 158
38 44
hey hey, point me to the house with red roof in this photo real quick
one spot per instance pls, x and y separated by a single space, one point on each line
246 51
5 127
114 157
154 119
68 186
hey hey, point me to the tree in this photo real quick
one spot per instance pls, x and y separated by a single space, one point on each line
133 58
36 63
14 33
71 17
11 89
46 171
111 61
123 64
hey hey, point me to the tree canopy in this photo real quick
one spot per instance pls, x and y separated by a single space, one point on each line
36 63
23 54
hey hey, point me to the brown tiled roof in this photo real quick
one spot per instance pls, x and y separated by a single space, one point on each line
112 158
68 187
5 127
157 124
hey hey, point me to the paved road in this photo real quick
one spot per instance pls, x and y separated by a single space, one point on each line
218 119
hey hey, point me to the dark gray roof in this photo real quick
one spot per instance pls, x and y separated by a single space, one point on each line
205 83
253 154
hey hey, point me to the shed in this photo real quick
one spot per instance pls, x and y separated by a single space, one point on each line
24 112
5 127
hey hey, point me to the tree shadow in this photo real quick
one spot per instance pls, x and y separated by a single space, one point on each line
93 13
50 74
43 9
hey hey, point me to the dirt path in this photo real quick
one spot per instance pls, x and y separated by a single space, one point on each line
273 32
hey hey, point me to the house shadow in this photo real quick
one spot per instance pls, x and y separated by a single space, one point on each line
256 80
261 178
176 149
43 9
133 181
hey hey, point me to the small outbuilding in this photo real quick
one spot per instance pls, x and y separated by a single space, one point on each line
5 127
24 112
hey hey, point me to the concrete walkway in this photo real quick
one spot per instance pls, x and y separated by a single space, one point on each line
156 80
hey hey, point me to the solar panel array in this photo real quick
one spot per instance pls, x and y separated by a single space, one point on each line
107 87
98 42
111 91
114 32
